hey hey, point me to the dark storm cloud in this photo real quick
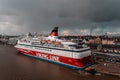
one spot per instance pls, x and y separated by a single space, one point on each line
40 15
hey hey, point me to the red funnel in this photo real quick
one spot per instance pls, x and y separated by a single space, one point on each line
54 32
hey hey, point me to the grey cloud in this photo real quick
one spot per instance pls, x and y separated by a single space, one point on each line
40 15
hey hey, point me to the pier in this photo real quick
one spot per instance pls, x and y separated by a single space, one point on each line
108 68
106 63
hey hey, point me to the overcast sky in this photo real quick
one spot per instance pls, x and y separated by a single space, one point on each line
21 16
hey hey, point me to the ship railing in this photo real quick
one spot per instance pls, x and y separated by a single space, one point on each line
57 46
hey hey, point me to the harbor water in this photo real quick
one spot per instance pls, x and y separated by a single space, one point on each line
16 66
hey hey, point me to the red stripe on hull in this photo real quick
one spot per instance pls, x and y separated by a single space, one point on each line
56 58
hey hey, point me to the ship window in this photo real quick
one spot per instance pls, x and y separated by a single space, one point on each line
72 46
75 46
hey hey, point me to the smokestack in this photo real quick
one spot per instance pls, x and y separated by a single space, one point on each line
54 32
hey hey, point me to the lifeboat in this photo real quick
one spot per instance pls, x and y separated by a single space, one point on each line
44 41
57 43
49 41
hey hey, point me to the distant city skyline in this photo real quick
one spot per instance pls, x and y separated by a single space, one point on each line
72 16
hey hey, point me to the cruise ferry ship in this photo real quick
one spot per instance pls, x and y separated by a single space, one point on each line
55 50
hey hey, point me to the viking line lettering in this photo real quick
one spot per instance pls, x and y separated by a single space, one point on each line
54 58
42 55
46 56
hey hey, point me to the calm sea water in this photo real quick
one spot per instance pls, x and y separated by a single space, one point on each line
16 66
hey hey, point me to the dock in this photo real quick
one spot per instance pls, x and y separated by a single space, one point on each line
106 63
108 68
